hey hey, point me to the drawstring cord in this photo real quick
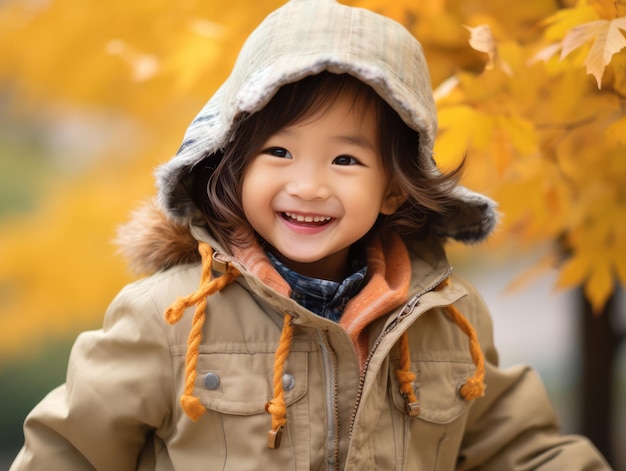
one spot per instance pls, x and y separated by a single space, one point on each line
276 406
472 388
475 386
191 404
406 378
208 286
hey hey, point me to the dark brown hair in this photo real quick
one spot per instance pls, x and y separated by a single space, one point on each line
217 180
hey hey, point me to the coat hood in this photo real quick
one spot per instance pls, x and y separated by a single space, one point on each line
307 37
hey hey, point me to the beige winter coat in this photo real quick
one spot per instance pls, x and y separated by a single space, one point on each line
119 409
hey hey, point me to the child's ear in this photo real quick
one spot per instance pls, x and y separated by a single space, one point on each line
392 200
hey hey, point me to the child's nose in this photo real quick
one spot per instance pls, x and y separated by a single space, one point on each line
308 184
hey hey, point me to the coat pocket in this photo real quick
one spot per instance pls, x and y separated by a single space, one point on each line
439 376
234 387
431 440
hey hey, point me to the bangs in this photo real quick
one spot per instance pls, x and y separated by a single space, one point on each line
307 98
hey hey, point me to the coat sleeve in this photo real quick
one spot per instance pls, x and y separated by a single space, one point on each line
514 425
118 389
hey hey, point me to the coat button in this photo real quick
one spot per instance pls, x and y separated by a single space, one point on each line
289 382
211 381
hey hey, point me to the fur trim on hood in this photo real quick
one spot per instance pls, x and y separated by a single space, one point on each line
153 241
307 37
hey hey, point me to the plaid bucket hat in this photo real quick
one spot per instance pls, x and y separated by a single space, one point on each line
307 37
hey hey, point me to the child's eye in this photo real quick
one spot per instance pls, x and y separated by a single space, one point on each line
278 152
345 160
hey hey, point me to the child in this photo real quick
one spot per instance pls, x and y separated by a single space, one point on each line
323 329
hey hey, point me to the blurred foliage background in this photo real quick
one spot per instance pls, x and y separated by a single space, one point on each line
94 95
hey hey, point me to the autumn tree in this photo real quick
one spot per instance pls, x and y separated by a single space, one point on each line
532 92
554 141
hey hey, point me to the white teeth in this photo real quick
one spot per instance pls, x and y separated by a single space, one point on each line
301 218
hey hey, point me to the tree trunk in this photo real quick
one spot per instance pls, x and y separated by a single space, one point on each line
600 342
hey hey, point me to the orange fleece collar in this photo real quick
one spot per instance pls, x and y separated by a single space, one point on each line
389 276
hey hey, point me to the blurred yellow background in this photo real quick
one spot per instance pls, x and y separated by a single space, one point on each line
94 95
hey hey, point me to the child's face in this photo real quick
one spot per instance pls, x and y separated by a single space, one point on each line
318 186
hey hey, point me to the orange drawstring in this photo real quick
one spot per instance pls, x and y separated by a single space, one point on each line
276 406
191 404
474 387
406 377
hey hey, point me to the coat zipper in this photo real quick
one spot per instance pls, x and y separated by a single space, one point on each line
332 409
406 310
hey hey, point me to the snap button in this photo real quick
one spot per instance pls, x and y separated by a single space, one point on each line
289 382
211 381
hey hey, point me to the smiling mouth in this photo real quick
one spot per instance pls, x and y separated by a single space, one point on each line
306 219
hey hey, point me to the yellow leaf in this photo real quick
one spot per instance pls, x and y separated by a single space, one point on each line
559 24
545 54
520 132
502 151
580 35
608 40
616 74
609 8
599 287
445 88
462 127
616 133
607 43
482 40
574 271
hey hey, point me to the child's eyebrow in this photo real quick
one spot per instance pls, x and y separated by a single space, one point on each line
356 140
360 141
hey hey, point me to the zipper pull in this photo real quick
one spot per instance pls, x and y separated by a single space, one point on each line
274 437
409 307
412 409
